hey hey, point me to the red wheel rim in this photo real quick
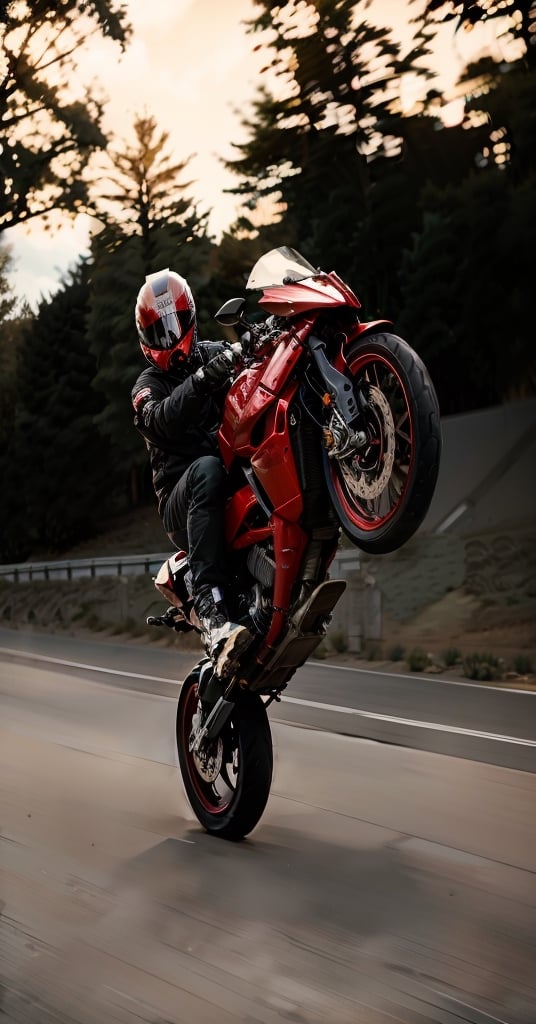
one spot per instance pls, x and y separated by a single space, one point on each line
213 786
372 486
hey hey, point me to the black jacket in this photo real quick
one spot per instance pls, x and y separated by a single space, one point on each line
179 423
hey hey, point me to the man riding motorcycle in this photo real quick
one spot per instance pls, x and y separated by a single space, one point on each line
177 402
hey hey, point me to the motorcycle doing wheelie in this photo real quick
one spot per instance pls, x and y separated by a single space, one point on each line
330 424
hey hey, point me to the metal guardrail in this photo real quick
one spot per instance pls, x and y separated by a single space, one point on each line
71 569
344 562
357 617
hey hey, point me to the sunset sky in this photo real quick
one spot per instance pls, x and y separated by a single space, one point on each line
191 65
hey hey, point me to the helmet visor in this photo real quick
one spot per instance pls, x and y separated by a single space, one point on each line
167 331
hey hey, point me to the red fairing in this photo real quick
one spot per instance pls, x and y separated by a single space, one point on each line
251 396
273 463
290 542
326 290
370 326
238 508
358 330
271 455
245 403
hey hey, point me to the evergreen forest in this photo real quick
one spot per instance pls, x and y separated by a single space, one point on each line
433 226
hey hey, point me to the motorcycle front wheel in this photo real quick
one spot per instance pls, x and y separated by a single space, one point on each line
227 783
382 492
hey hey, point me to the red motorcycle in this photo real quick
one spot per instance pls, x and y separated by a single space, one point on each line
330 424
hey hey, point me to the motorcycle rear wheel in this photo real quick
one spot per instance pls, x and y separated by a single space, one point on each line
382 492
228 785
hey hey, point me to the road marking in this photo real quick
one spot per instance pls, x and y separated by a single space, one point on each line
314 705
418 676
310 664
415 723
88 668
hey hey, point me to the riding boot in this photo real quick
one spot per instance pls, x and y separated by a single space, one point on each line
223 640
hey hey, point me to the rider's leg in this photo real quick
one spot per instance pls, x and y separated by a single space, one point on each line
196 505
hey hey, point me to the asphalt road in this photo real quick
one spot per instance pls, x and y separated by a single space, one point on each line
479 722
384 882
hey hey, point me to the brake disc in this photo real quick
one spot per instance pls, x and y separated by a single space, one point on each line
371 482
208 762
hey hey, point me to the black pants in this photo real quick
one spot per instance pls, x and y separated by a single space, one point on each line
193 520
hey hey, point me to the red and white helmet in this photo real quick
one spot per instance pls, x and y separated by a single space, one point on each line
165 318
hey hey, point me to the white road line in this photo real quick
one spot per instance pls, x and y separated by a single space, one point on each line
88 668
418 676
311 664
415 723
314 705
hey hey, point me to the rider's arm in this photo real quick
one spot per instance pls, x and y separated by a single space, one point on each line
161 410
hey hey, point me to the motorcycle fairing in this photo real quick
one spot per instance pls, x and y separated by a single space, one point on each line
279 266
282 363
371 325
290 542
293 285
246 402
282 487
238 532
250 397
358 331
325 290
252 406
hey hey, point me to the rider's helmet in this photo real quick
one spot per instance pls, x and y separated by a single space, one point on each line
165 318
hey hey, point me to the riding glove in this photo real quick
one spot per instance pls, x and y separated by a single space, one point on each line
217 372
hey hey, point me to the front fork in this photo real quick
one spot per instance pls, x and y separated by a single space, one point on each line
345 407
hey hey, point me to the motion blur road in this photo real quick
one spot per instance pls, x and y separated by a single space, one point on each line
388 881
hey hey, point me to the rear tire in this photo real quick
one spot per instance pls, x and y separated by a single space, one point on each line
228 787
382 492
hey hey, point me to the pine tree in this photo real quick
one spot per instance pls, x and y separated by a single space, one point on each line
321 139
467 289
48 133
517 18
57 478
10 331
466 282
150 223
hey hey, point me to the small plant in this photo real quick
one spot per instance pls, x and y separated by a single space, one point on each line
483 667
418 659
81 612
93 622
452 656
396 653
523 664
321 651
339 641
373 653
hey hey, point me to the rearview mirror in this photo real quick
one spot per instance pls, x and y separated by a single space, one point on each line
231 312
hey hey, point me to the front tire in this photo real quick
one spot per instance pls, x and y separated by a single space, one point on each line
227 785
382 492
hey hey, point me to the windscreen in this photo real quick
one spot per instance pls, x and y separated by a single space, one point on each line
280 266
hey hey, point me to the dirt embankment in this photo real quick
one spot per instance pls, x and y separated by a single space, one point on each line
457 626
116 608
